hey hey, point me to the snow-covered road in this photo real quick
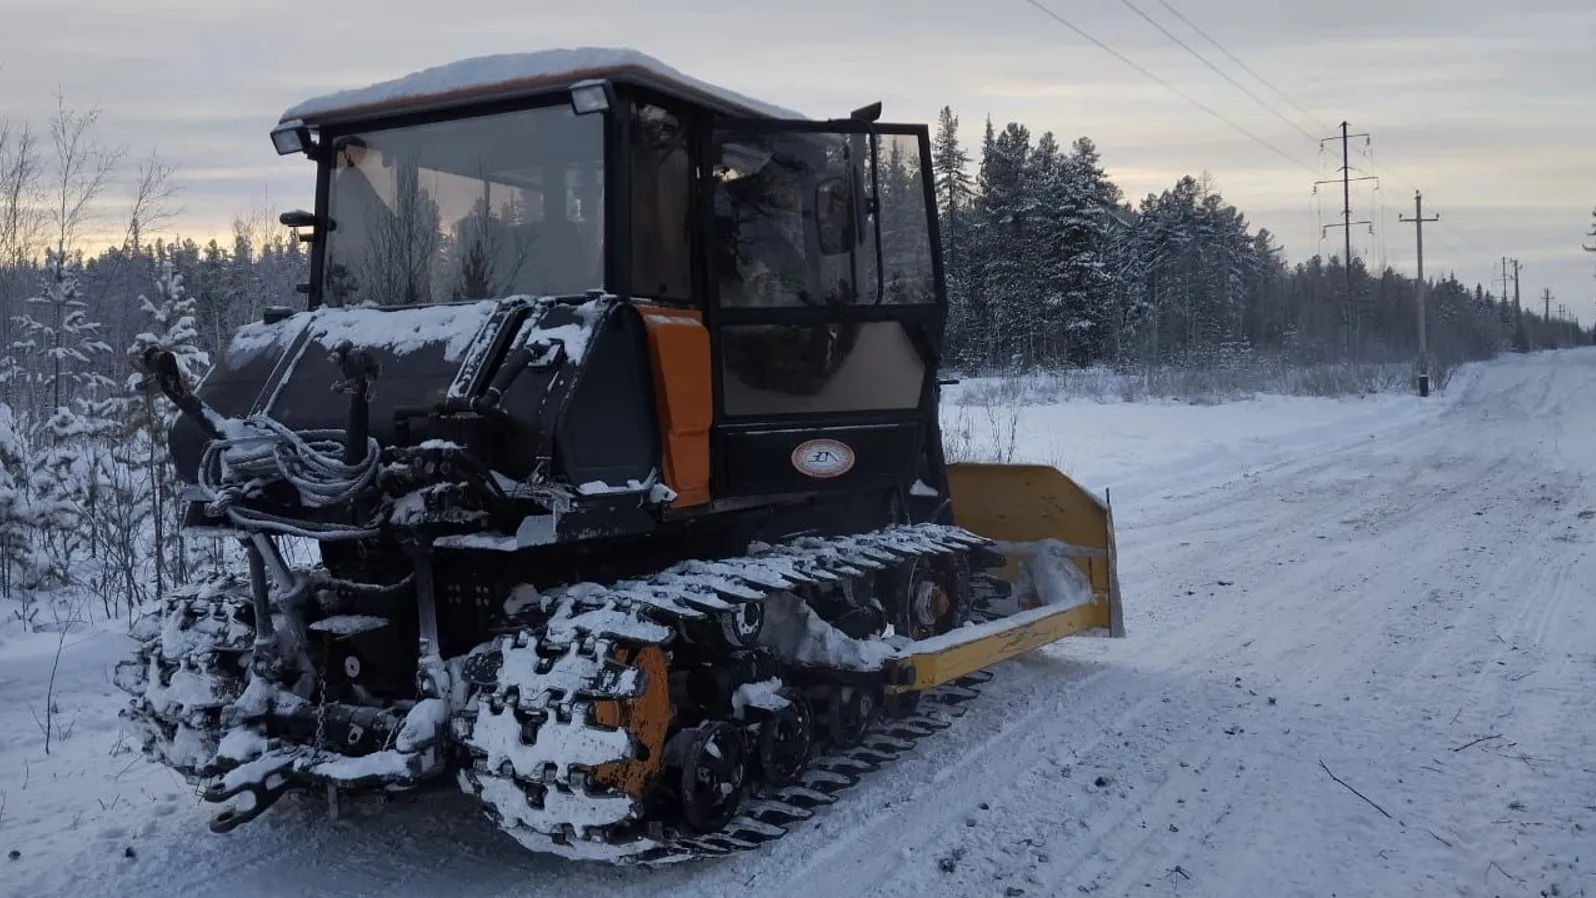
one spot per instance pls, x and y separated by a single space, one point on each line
1397 593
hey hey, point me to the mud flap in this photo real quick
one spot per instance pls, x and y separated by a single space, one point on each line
1058 543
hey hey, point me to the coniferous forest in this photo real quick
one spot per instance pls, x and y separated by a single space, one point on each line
1049 267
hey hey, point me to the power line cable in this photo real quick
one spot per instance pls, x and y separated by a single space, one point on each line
1239 129
1170 87
1261 80
1377 229
1456 231
1446 224
1222 73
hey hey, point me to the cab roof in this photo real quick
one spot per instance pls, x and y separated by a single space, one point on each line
513 76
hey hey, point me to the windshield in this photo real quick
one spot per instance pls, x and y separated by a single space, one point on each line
468 209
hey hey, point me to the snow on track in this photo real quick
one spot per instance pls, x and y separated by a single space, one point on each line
1403 590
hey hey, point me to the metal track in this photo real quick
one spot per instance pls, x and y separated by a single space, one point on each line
532 738
535 746
188 667
766 817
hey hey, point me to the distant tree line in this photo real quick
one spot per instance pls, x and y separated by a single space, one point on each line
1048 266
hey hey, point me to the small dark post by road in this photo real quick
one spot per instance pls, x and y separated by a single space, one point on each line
1418 220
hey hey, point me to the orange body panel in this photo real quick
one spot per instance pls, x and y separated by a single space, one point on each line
678 344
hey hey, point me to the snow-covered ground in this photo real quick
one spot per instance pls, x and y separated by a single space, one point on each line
1391 591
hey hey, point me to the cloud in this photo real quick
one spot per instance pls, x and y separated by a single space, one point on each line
1482 105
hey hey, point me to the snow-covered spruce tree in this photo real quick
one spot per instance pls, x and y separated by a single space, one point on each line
1092 179
999 233
65 336
70 471
1064 259
148 413
955 191
1090 276
21 565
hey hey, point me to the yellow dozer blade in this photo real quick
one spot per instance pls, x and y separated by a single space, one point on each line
1042 521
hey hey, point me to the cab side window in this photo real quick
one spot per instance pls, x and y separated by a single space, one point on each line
765 223
662 206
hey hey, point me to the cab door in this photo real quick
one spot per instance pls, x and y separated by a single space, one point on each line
825 305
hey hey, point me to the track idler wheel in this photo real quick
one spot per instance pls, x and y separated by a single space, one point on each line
714 777
786 739
934 598
901 704
850 710
742 625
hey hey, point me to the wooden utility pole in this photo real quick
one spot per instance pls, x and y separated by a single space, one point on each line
1546 294
1418 220
1346 224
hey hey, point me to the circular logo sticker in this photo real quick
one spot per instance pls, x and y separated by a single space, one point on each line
823 458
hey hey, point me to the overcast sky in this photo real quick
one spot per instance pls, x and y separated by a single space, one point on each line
1486 106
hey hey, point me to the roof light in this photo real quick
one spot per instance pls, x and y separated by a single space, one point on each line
590 96
291 137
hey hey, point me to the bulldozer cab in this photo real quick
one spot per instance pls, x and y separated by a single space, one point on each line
805 249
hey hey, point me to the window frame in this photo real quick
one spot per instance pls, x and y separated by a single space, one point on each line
923 323
857 311
617 193
693 120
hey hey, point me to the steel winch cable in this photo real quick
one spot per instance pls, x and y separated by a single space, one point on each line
262 451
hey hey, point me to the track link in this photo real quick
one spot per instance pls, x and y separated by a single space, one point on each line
535 744
768 817
188 667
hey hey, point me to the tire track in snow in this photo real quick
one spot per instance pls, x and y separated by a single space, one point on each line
1091 856
983 773
1140 838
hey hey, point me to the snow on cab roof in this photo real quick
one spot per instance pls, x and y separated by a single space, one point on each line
509 75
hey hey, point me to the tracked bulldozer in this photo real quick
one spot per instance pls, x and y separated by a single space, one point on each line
610 425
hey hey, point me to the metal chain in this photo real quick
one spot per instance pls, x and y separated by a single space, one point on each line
321 709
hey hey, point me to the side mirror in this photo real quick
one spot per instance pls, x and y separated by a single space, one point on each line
863 205
835 216
299 218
